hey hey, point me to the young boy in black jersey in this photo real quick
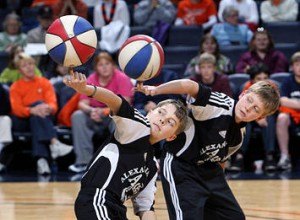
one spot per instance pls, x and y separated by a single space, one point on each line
124 167
193 180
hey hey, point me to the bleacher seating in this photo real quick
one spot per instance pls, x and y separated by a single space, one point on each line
29 19
185 35
284 32
288 48
3 13
279 77
180 55
178 68
3 60
237 80
233 53
139 30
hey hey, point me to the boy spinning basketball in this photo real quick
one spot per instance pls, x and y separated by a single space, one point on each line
193 180
124 167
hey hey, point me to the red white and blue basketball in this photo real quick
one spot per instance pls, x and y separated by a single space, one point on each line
71 40
141 57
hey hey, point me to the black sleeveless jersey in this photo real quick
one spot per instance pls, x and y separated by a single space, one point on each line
212 134
124 166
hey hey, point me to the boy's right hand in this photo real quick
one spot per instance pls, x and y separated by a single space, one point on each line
147 90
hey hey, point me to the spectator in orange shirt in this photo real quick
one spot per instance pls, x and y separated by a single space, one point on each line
33 102
70 7
197 12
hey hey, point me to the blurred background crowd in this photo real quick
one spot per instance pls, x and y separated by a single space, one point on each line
227 45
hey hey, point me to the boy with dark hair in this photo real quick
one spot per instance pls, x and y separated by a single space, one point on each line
124 167
193 180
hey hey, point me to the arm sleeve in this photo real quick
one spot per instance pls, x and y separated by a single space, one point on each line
168 10
211 21
292 9
130 124
144 201
37 72
253 13
222 5
142 12
4 77
18 108
123 13
203 95
266 13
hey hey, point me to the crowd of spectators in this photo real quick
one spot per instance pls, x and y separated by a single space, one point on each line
29 84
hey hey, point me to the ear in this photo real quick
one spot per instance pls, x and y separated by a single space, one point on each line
171 138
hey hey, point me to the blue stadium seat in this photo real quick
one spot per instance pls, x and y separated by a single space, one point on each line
139 30
237 80
279 77
90 15
180 55
233 53
3 13
284 32
178 68
4 57
288 48
185 35
29 19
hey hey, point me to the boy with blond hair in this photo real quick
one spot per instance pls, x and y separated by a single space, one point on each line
193 180
208 76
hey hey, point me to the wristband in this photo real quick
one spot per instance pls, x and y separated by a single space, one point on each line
94 92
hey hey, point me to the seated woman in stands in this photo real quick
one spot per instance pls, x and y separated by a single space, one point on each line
210 45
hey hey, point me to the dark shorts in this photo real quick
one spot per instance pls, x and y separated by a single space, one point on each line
95 204
197 192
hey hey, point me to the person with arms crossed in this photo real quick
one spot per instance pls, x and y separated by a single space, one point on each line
193 179
124 166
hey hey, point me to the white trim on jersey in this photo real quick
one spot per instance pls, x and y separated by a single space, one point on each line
189 134
131 129
144 200
218 104
98 203
111 152
234 149
169 177
138 115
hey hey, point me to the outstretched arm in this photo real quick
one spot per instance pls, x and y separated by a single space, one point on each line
181 86
77 81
